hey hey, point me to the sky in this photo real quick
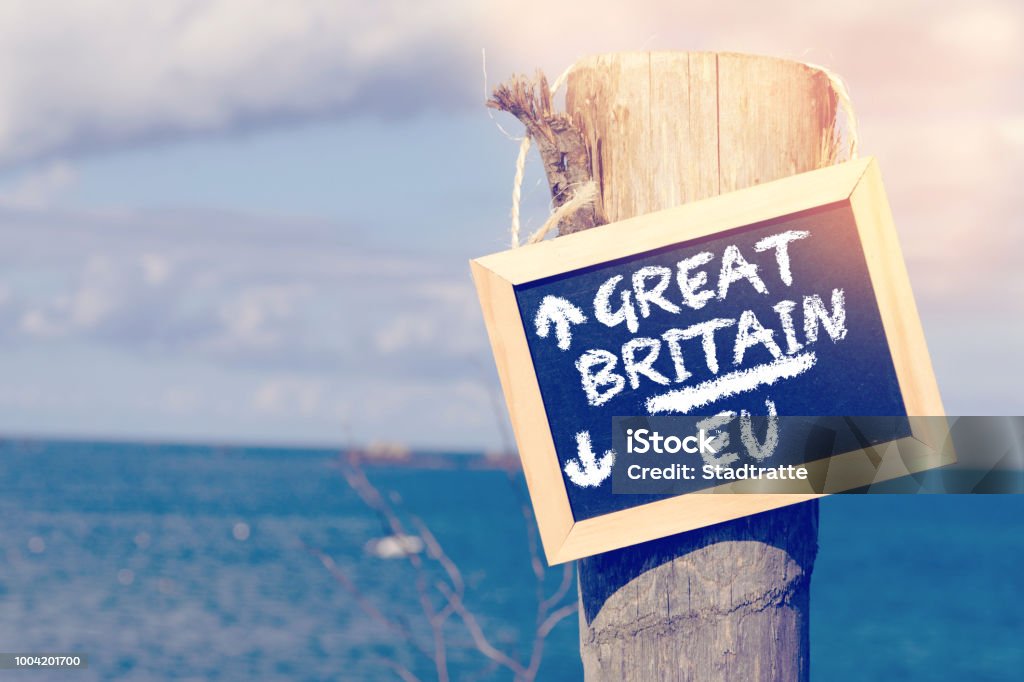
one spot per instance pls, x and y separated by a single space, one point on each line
250 221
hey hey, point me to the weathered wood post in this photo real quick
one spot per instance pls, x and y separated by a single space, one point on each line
729 602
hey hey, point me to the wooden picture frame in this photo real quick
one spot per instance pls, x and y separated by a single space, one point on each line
856 185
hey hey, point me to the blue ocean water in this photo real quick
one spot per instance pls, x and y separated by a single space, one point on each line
191 562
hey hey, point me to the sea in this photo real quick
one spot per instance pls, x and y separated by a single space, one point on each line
192 562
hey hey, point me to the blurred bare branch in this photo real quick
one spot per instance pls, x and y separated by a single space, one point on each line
404 673
441 588
439 583
364 604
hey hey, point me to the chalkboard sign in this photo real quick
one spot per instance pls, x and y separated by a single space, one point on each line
789 298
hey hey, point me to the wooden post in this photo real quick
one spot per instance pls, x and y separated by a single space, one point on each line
728 602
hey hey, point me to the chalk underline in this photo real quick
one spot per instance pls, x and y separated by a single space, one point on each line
684 400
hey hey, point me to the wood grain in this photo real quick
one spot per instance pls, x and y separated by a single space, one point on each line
666 128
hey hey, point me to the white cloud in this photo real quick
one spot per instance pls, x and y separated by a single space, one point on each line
36 323
180 399
258 316
991 30
257 293
1012 130
88 303
155 268
156 323
81 75
407 332
37 189
289 395
443 317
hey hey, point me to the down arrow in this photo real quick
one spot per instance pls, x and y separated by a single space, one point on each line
587 472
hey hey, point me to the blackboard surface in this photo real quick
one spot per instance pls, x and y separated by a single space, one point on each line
829 372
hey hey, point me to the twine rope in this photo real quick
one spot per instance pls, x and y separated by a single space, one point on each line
517 187
584 194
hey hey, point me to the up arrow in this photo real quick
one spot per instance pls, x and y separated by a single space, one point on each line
562 314
587 472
